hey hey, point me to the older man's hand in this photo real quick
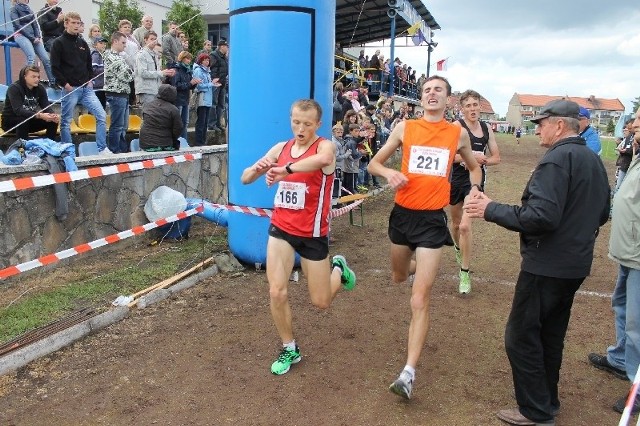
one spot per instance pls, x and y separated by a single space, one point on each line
475 206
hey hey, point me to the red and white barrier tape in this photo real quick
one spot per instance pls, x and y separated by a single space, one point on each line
344 210
628 406
255 211
82 248
64 177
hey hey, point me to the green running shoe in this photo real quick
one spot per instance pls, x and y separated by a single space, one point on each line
348 277
465 282
285 359
458 255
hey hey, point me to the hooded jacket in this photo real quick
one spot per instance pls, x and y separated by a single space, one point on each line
71 60
21 15
22 102
161 122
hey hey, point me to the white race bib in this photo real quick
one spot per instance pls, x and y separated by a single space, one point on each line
427 160
290 195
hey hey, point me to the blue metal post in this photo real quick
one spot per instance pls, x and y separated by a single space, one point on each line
392 60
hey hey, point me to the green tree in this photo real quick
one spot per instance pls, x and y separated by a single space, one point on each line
611 127
111 12
189 17
636 104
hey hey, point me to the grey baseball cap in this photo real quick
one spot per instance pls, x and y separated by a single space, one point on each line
558 108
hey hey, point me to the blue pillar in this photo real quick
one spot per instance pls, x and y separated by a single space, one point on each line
281 51
392 59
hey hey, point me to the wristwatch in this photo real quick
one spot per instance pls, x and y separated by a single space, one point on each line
288 167
477 186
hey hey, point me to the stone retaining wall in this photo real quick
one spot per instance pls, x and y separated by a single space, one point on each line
101 206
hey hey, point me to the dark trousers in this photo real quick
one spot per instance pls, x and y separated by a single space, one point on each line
534 339
349 181
201 125
30 126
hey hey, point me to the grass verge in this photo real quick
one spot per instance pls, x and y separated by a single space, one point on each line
96 282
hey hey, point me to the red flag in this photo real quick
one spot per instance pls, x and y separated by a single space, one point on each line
441 65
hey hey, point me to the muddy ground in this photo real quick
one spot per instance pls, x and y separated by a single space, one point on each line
203 357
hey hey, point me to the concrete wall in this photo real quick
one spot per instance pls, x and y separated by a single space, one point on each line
101 206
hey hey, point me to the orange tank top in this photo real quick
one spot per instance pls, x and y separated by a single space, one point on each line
428 150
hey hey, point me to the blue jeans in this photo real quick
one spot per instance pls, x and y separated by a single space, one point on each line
201 125
119 116
87 97
31 50
625 354
184 115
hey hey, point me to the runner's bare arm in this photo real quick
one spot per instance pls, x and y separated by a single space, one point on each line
457 158
324 159
494 157
464 149
251 173
376 165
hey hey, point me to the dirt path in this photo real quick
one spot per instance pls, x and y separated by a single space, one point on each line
203 358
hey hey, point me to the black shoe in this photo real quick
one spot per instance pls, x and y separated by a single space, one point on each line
619 406
601 362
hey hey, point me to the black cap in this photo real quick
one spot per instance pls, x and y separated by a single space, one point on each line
223 43
558 108
100 40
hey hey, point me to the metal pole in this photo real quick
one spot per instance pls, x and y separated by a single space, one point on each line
429 50
392 62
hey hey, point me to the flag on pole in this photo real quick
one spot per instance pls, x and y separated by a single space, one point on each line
418 38
412 30
441 65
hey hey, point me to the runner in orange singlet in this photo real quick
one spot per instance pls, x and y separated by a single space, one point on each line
417 222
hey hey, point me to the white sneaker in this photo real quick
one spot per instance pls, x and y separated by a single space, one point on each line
105 151
403 385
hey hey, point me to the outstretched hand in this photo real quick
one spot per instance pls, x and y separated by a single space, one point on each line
475 206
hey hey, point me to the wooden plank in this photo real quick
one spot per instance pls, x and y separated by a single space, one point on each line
350 198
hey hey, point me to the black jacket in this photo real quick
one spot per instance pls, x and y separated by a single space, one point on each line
182 82
21 103
219 67
161 122
50 26
564 203
71 60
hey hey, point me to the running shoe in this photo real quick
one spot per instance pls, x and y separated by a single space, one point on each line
286 358
348 277
465 282
403 385
458 255
362 189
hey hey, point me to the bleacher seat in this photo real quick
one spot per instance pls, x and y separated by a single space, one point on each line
54 95
183 143
87 122
135 121
134 145
87 148
3 91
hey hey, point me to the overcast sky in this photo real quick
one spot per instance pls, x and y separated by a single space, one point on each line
552 47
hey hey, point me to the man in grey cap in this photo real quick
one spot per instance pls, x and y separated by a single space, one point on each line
564 203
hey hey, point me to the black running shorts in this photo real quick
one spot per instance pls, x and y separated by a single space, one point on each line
314 248
419 228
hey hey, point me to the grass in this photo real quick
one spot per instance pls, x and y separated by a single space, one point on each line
96 284
608 149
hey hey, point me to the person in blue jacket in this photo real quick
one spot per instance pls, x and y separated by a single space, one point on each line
588 133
